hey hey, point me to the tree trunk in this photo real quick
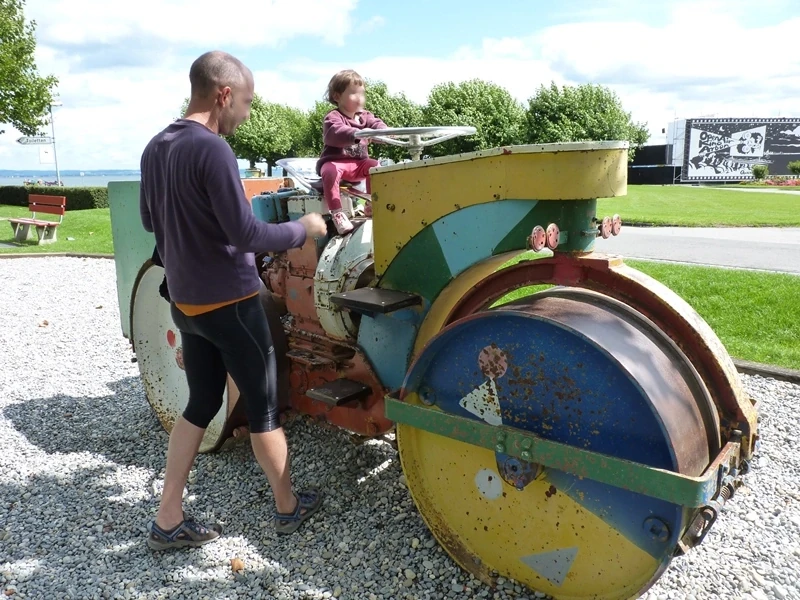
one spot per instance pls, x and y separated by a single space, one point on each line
269 169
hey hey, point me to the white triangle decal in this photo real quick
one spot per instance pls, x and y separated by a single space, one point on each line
483 403
553 565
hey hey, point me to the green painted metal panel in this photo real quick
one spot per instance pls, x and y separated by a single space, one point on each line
573 217
657 483
133 246
420 268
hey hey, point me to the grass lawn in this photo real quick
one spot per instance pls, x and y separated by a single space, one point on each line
756 315
82 231
702 207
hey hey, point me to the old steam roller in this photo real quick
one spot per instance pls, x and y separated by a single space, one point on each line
562 419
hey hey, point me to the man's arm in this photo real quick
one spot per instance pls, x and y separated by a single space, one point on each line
233 211
336 132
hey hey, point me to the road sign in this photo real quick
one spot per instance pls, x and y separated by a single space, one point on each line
35 141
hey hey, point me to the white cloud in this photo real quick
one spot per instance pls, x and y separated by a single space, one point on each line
111 108
372 24
192 22
704 59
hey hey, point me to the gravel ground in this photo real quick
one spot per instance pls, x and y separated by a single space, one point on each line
82 458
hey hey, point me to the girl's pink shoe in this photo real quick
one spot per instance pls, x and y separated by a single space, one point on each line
341 222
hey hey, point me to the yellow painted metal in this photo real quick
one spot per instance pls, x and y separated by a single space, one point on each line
496 529
408 197
508 531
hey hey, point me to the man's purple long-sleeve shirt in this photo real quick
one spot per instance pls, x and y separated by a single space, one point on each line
193 200
338 136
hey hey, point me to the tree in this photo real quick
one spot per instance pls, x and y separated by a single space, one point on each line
312 133
580 113
488 107
396 111
25 97
272 132
298 124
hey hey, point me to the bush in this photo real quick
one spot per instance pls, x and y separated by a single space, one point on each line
78 198
794 167
760 171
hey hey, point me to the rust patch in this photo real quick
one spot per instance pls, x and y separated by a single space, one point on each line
493 362
179 358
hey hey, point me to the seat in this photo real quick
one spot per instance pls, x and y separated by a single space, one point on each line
356 185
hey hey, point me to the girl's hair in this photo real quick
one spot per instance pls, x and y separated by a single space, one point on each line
340 82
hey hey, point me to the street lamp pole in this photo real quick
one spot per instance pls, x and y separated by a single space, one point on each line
53 129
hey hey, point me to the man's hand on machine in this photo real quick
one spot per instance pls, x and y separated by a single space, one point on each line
314 224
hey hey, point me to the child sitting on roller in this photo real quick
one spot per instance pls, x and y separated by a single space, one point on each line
343 156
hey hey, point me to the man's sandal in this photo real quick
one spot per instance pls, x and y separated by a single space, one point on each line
308 502
190 533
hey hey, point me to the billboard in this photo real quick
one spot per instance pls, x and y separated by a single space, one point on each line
727 149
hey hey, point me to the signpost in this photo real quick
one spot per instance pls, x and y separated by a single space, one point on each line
53 103
35 140
42 140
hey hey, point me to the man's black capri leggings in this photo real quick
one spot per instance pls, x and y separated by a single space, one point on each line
233 339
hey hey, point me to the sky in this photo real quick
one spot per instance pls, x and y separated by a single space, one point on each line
123 66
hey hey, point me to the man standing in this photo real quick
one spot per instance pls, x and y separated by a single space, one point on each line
193 200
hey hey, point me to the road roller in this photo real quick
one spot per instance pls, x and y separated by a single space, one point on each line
562 419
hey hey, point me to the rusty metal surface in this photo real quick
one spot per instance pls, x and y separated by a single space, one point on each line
307 358
670 313
364 417
644 352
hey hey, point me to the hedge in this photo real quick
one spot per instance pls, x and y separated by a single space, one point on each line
78 198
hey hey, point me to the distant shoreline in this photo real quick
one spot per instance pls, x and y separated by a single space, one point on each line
51 173
70 178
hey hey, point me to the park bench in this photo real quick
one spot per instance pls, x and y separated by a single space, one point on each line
45 230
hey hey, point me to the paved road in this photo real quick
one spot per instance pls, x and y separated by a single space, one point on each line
764 248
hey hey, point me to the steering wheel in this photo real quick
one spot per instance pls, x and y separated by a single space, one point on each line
414 136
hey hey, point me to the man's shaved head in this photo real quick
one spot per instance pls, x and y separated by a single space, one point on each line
214 69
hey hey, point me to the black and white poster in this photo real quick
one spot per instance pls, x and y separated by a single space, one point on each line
728 149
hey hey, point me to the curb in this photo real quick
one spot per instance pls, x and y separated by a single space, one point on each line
685 226
56 254
752 368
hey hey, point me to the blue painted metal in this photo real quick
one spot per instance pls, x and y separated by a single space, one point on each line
469 235
387 340
268 207
562 387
